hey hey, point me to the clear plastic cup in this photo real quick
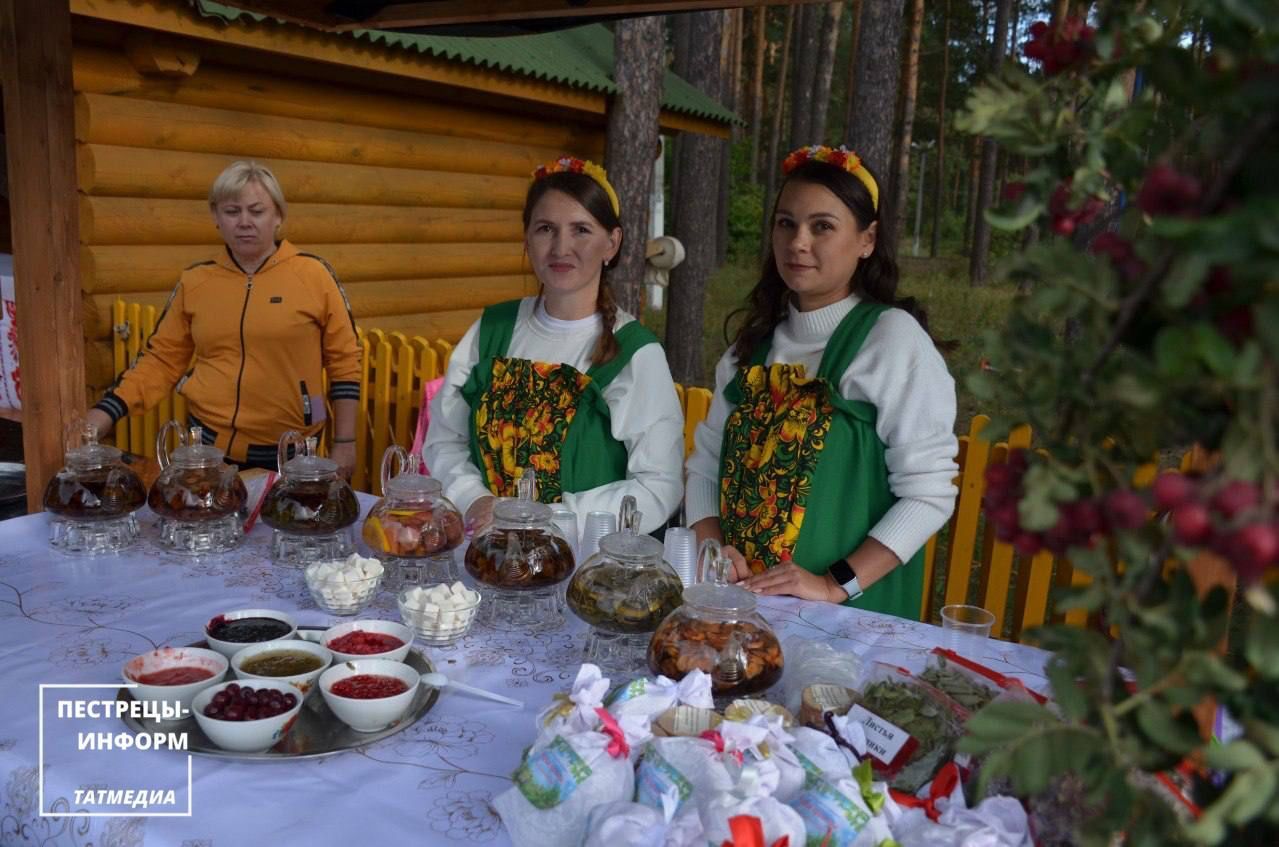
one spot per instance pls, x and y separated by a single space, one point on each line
966 629
680 551
598 525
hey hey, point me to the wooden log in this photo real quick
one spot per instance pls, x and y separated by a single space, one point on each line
106 71
131 122
35 76
138 172
117 269
158 220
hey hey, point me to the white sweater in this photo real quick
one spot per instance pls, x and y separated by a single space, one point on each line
643 407
900 372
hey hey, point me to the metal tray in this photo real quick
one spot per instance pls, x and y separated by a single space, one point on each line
317 732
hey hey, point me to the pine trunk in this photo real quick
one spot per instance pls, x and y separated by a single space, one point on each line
853 41
772 160
900 180
695 209
978 260
807 34
757 88
938 184
970 198
825 70
632 133
730 40
878 70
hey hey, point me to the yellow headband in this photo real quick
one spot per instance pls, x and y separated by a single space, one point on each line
841 157
568 164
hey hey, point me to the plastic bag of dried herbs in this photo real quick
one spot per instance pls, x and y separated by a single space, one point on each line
910 726
970 684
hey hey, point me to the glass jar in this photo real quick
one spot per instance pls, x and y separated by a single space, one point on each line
414 528
623 592
199 499
94 499
718 630
310 508
519 561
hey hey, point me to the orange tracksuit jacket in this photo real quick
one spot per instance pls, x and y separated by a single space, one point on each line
246 351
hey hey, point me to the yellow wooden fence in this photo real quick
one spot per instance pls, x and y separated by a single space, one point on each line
964 563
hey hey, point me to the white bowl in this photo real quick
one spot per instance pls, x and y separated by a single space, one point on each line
434 625
246 736
230 648
370 715
398 630
174 657
302 683
342 596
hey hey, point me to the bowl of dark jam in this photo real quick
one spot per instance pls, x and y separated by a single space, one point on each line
231 632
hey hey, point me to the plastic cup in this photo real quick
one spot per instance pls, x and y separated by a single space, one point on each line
566 520
680 550
966 628
598 525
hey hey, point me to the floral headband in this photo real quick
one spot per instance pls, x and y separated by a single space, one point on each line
840 157
570 165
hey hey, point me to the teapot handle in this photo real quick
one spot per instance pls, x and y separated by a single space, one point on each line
712 565
526 485
393 452
162 441
294 438
627 517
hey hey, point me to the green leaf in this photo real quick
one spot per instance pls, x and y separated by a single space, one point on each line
1026 213
1213 348
1262 647
1267 324
1238 755
1179 735
1184 280
1204 668
1261 785
1174 354
1005 721
1069 696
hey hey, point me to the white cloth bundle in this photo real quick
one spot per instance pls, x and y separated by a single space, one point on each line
651 697
753 796
834 813
576 711
636 825
689 768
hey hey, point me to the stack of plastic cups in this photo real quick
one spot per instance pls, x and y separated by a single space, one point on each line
598 525
681 553
565 519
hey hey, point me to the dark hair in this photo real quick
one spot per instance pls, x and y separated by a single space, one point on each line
875 278
594 199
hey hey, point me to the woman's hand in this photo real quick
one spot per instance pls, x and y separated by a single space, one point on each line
480 515
790 579
344 454
741 570
99 420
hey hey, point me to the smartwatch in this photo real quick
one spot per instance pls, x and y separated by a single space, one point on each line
842 572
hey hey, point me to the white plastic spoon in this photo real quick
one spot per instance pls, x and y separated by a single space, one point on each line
439 680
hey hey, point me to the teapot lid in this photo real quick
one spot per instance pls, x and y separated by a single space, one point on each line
712 590
409 483
627 542
518 510
89 453
305 464
192 452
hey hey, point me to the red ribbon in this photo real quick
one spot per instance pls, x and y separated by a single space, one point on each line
748 831
617 748
718 740
942 786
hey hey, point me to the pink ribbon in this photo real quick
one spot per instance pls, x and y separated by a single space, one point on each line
715 738
617 748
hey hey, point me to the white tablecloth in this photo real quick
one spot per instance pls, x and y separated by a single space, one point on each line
65 620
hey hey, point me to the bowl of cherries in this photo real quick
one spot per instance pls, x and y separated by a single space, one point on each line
247 718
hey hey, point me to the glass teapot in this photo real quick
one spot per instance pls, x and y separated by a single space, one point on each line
718 630
310 507
520 559
93 499
626 588
414 528
198 497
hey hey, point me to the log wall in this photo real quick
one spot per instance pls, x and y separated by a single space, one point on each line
414 200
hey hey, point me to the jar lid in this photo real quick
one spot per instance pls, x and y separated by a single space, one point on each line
414 486
720 598
628 546
517 510
196 456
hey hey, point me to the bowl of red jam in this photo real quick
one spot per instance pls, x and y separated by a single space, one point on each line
368 639
369 695
246 717
231 632
173 676
298 663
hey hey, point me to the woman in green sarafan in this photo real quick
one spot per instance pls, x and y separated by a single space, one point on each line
828 456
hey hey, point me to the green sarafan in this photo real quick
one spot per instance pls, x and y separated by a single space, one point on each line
1148 137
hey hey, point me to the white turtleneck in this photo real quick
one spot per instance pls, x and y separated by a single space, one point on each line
900 372
643 408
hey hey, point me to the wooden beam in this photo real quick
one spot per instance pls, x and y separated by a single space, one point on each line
35 64
453 12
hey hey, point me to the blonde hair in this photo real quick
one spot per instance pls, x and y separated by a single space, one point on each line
231 182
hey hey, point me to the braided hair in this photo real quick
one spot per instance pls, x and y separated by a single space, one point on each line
874 279
594 199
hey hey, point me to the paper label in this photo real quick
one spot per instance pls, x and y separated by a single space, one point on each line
655 777
884 740
830 818
551 775
629 691
811 771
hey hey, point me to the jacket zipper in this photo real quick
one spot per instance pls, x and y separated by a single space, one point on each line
248 290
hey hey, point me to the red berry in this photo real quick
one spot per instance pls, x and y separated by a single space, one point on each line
1165 191
1060 537
1039 29
1085 517
1237 497
1006 521
1000 477
1191 523
1171 490
1125 509
1236 325
1064 225
1013 191
1019 461
1028 543
1252 549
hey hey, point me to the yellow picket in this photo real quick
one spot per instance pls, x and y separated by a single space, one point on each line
149 419
359 477
381 411
136 433
445 349
963 540
697 406
404 394
997 558
120 360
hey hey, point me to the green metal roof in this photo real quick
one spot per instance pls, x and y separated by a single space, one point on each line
581 57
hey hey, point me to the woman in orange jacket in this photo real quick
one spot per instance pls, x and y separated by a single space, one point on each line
246 335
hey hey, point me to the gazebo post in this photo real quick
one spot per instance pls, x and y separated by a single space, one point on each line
35 65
